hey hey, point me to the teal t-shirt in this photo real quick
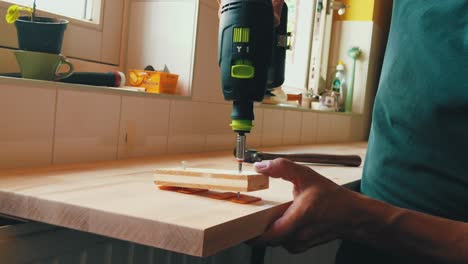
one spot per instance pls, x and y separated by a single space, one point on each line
417 156
418 148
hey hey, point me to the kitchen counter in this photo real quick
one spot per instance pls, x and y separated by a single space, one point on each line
118 199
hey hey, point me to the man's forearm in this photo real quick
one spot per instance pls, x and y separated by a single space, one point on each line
408 232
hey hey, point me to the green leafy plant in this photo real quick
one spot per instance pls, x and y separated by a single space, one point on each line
14 11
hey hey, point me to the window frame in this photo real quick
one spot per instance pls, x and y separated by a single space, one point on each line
297 67
94 41
98 7
314 43
320 52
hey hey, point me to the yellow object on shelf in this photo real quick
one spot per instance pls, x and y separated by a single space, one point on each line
154 81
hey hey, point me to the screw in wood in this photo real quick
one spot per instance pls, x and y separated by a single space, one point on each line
183 164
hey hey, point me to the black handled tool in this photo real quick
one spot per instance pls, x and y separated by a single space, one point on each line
110 79
252 156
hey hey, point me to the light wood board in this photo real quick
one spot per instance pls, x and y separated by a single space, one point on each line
119 199
212 179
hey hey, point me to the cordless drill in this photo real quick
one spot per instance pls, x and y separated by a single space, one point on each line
252 59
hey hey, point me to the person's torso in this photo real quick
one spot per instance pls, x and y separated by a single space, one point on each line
417 156
418 148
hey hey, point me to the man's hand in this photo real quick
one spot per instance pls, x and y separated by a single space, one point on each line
318 213
277 6
322 211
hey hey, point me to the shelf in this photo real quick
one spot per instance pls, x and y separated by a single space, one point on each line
80 87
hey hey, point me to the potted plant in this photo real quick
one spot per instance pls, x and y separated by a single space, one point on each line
37 33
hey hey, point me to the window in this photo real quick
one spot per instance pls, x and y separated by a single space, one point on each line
300 20
93 34
292 22
306 62
78 9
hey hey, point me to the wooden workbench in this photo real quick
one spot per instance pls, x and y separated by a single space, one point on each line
118 199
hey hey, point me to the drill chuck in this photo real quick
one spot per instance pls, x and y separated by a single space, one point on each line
242 116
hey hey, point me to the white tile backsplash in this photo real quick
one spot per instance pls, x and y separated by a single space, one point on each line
144 125
333 128
273 125
94 126
189 117
27 123
292 127
254 138
340 128
309 128
324 129
179 144
358 129
217 142
87 126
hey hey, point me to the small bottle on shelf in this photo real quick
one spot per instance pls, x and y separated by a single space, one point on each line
333 99
339 87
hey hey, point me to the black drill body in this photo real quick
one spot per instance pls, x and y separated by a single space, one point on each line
264 51
251 56
257 16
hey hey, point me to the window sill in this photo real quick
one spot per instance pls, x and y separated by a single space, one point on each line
81 87
303 109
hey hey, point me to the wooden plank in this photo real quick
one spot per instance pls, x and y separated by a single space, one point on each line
119 199
212 179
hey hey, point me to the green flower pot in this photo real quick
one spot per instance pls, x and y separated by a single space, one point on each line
44 34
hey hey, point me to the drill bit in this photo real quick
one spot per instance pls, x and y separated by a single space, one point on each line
240 152
240 149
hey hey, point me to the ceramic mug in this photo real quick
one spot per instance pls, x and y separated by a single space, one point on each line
42 66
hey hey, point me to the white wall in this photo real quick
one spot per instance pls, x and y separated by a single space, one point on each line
371 39
45 123
163 33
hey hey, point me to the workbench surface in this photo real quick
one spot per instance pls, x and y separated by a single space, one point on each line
118 199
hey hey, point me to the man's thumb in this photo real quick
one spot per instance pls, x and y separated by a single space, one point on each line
285 169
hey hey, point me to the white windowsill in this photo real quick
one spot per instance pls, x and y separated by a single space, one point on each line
82 87
302 109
